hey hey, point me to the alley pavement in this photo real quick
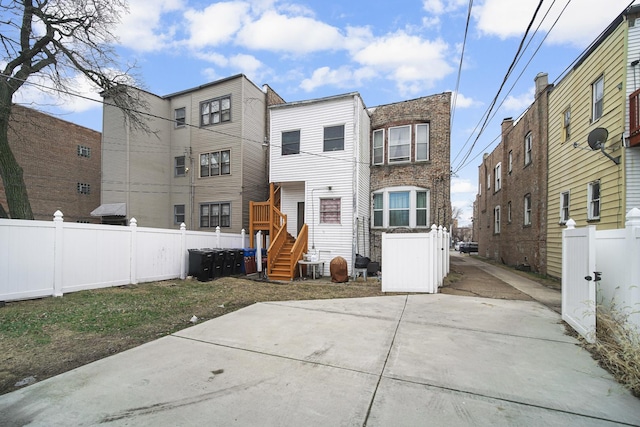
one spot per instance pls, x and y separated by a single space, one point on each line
403 360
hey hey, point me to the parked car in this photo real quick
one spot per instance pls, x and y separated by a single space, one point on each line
468 247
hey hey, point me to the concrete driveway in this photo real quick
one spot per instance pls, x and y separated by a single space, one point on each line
415 360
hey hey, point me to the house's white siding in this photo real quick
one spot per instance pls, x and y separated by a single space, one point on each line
632 155
318 171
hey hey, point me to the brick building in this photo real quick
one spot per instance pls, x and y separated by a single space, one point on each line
410 167
60 162
510 222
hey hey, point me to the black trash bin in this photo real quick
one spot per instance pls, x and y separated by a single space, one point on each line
200 264
217 263
228 262
238 260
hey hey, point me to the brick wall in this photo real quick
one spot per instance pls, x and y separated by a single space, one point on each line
47 150
433 174
517 243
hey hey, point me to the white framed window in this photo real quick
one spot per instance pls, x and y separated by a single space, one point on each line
179 166
216 163
422 142
378 209
84 151
213 215
566 125
290 142
399 144
564 207
333 138
496 220
378 147
510 161
215 111
178 214
489 181
498 173
527 209
593 203
528 143
509 213
401 207
330 211
180 116
597 98
84 188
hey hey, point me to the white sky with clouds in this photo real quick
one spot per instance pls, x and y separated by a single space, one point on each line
389 52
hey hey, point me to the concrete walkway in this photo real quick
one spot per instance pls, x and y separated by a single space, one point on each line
415 360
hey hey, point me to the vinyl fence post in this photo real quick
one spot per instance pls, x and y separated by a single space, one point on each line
57 253
218 237
183 251
243 236
632 227
133 226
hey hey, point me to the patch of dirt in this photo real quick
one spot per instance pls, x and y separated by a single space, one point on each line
467 280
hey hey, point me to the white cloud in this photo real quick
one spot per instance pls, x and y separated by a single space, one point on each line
36 93
216 24
439 7
579 24
296 34
464 102
462 186
412 62
142 28
517 104
341 77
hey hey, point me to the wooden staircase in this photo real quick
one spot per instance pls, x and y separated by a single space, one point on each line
284 251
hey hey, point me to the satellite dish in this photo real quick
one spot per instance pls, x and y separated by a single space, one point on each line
597 138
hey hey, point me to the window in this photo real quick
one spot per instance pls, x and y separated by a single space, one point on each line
566 125
527 209
597 91
180 115
509 213
421 208
330 211
488 181
84 188
498 173
528 142
378 147
400 144
378 209
593 194
496 220
216 163
213 215
291 142
564 207
179 166
334 138
399 209
510 160
422 142
84 151
215 111
178 214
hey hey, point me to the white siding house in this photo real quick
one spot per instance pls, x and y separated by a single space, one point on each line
319 155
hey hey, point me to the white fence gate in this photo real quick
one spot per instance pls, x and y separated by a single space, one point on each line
578 285
415 262
601 267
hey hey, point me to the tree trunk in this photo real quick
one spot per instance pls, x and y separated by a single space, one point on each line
10 171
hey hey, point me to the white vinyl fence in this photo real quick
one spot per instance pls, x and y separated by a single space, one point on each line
415 262
42 258
609 264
